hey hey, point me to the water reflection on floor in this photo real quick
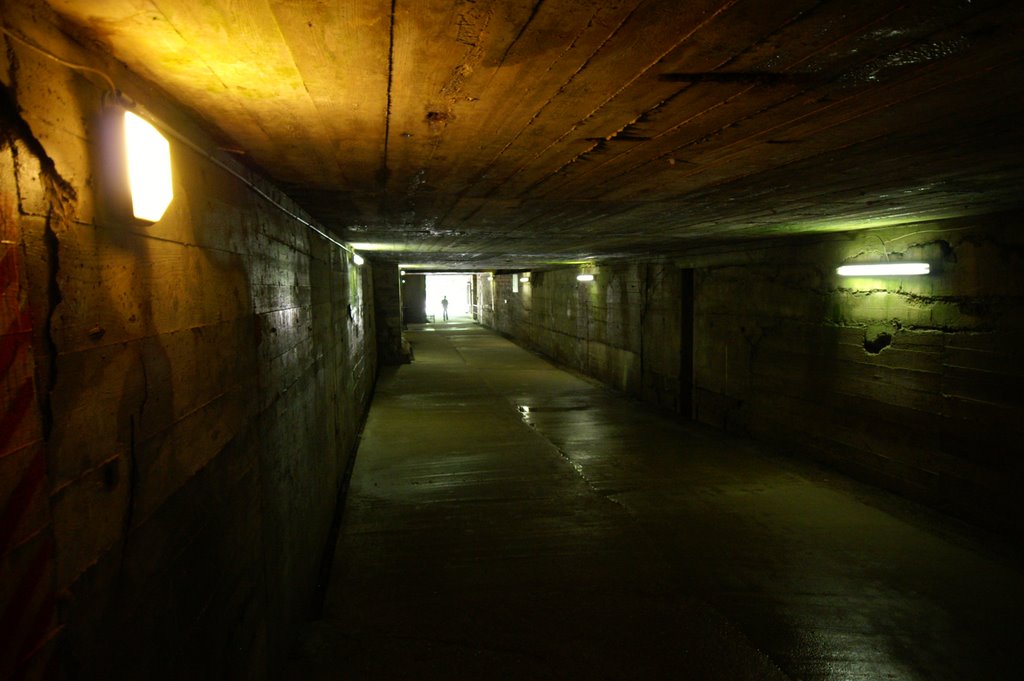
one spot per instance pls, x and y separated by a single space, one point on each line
510 520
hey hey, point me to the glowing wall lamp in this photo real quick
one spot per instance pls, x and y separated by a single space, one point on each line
884 269
148 156
584 277
357 259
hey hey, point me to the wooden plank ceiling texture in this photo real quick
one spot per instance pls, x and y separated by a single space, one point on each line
488 133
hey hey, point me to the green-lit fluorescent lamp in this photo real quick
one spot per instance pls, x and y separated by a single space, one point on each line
884 269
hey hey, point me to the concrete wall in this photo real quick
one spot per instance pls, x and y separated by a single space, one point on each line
414 299
603 328
912 384
387 302
179 400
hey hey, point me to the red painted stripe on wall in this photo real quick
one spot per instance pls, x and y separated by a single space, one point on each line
28 618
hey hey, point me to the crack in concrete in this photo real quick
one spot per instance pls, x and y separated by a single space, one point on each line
133 461
133 478
61 199
384 174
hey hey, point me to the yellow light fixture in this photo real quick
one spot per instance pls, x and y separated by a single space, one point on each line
148 156
884 269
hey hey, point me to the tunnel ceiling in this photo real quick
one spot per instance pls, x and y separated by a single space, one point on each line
487 133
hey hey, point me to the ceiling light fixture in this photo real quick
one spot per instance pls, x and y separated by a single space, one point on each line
884 269
584 277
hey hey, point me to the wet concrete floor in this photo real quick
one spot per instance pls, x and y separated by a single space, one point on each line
510 520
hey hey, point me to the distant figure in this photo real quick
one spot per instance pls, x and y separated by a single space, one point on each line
444 306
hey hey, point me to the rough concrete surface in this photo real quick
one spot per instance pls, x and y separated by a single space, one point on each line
507 519
177 399
910 383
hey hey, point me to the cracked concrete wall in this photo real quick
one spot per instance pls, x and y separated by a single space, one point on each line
195 390
28 606
911 383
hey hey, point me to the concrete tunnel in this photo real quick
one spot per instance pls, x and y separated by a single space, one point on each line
661 434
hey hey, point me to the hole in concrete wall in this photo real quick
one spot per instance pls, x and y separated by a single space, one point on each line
438 120
878 343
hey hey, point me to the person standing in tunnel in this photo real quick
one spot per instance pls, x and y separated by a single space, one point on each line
444 307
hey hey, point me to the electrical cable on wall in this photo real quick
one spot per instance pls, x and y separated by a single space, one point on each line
885 252
77 67
116 96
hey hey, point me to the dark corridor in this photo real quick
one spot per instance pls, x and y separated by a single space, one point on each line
508 519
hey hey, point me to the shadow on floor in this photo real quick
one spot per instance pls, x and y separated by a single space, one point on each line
509 520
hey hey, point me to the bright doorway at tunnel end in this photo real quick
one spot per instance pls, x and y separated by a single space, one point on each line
457 289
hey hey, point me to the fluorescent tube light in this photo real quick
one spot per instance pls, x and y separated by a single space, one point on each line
884 269
584 277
